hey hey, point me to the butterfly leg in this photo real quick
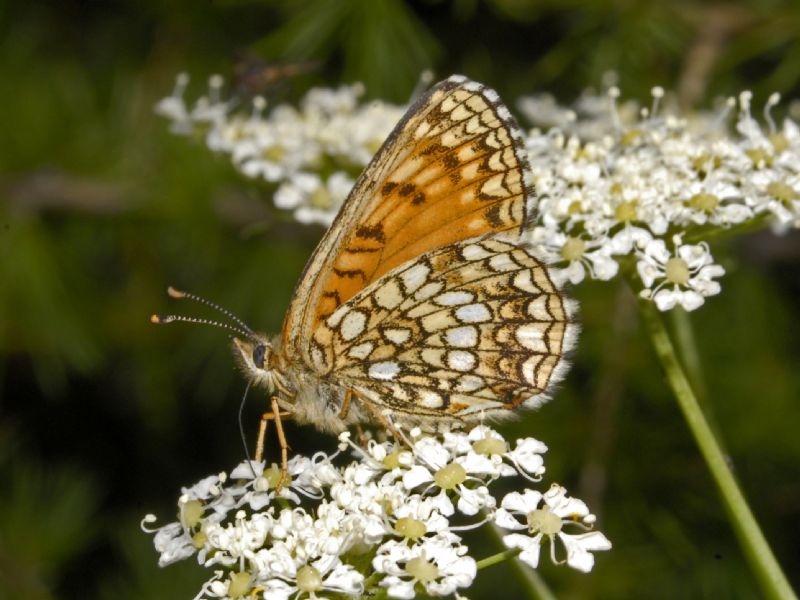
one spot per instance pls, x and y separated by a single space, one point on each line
363 440
276 411
262 432
379 417
345 409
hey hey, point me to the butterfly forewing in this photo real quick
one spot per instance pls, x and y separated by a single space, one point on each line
470 327
452 169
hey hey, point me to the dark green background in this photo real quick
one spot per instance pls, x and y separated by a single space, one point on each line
104 417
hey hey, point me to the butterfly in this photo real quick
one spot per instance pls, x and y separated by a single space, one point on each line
422 305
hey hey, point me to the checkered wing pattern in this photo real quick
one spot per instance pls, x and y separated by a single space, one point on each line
454 168
469 328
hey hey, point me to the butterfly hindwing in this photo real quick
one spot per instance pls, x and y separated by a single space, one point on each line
474 326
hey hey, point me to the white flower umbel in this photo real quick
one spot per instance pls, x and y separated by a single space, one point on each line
616 184
396 511
309 155
546 516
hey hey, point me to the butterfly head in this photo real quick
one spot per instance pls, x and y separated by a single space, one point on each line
256 357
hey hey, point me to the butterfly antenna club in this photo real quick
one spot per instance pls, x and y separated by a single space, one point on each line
180 294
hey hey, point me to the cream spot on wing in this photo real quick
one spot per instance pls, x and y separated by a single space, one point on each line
437 321
462 337
422 129
460 113
475 252
474 124
529 368
531 336
522 281
361 351
318 358
494 187
537 308
388 295
454 298
473 313
430 399
334 320
353 325
469 383
397 336
428 290
460 360
451 138
432 356
414 277
384 370
502 262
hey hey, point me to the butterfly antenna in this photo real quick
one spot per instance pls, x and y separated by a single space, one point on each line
180 294
164 319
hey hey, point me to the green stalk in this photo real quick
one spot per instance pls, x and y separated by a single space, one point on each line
497 558
756 549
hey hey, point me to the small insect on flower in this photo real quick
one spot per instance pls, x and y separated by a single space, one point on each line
422 305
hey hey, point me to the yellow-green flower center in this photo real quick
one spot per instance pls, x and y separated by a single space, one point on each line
422 569
631 136
199 539
321 198
573 249
392 460
274 153
449 476
273 476
409 528
239 585
308 579
544 520
489 446
575 207
677 271
625 211
192 513
782 192
703 202
705 162
779 142
759 156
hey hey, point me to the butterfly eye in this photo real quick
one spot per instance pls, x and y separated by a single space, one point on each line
259 352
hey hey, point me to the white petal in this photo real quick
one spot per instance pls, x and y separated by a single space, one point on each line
690 300
415 476
504 519
666 299
531 547
398 588
579 548
605 267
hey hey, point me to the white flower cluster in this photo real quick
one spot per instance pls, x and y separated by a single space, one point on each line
389 519
311 155
619 185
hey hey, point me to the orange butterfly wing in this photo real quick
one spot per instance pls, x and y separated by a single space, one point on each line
453 168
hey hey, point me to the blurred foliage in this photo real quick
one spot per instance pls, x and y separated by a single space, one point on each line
104 417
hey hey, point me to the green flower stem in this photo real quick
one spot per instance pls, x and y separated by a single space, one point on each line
756 549
497 558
